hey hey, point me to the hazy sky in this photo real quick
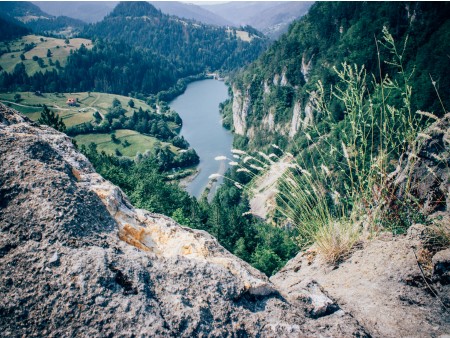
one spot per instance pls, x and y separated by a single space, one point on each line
205 2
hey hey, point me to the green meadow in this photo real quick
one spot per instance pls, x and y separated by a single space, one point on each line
59 49
88 102
137 142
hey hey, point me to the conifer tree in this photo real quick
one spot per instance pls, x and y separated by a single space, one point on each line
51 119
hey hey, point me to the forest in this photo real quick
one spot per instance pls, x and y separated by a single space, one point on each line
333 33
369 79
136 37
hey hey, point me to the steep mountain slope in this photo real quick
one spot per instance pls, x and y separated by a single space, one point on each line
87 11
190 46
272 99
39 21
271 17
78 259
22 10
11 28
190 11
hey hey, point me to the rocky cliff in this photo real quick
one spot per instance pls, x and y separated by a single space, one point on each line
283 78
77 259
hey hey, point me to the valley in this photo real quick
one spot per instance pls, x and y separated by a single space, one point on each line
251 169
87 104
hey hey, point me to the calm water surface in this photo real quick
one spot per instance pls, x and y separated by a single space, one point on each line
202 128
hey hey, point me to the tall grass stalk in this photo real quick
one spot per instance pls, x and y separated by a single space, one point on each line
360 152
381 128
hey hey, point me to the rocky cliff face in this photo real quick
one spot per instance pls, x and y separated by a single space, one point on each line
249 121
241 105
77 259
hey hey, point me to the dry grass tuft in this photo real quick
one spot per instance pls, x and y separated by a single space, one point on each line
438 236
335 240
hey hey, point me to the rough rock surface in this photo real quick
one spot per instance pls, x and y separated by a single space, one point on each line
427 173
441 266
76 259
380 285
241 106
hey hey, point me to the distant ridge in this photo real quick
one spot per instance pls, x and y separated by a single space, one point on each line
87 11
135 9
270 17
21 9
191 11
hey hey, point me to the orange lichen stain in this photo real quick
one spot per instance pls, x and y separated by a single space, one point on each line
101 193
186 250
76 174
133 236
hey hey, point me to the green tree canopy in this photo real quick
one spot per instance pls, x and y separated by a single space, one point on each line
52 119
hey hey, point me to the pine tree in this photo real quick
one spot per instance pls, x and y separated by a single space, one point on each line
52 119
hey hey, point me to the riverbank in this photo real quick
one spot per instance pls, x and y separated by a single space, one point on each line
185 181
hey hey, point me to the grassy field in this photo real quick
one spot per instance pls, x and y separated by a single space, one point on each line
88 104
58 47
138 142
243 35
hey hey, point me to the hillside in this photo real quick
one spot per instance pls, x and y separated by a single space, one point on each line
38 20
62 26
27 48
272 100
22 10
191 47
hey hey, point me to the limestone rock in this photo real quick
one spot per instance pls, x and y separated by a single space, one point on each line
441 266
296 119
76 259
240 108
426 175
380 285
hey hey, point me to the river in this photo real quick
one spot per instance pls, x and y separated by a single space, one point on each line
198 107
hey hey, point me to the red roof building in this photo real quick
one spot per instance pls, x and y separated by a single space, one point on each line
71 101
